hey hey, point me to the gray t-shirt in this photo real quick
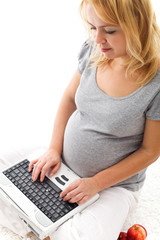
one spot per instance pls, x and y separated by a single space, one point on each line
104 129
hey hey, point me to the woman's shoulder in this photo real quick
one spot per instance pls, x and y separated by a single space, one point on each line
85 49
84 55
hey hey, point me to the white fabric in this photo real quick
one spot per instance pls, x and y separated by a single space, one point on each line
102 220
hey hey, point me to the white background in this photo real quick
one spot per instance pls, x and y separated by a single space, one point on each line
39 43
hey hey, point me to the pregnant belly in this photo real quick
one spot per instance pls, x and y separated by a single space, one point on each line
87 151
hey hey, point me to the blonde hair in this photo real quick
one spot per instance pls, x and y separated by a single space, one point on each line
138 22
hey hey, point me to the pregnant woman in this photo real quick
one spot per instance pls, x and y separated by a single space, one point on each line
107 128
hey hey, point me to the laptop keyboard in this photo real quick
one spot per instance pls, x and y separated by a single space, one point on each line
45 195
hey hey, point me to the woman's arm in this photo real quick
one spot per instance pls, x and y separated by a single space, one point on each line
81 190
142 158
66 108
52 157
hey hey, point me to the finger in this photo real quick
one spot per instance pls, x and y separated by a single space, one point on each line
71 194
70 188
36 170
31 164
46 167
83 200
44 171
77 198
55 169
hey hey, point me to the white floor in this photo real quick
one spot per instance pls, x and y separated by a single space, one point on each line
147 212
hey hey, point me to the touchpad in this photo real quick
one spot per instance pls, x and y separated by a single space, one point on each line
4 180
42 219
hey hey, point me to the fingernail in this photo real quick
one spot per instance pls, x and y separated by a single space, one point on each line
51 174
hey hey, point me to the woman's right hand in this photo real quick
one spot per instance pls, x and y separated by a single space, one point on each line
50 159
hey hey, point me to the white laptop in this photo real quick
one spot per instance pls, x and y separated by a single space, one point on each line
38 204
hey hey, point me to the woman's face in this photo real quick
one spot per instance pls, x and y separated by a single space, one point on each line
110 38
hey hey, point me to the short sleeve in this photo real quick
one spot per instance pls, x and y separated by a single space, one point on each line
153 111
83 56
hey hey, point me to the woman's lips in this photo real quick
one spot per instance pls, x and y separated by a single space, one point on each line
105 49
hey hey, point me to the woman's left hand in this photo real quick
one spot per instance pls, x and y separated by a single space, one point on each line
80 190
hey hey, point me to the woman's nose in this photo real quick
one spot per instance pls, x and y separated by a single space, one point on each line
100 36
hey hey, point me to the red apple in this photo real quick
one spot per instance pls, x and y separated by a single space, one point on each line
136 232
122 236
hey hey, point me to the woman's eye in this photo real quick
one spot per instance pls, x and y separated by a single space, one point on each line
92 28
110 32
